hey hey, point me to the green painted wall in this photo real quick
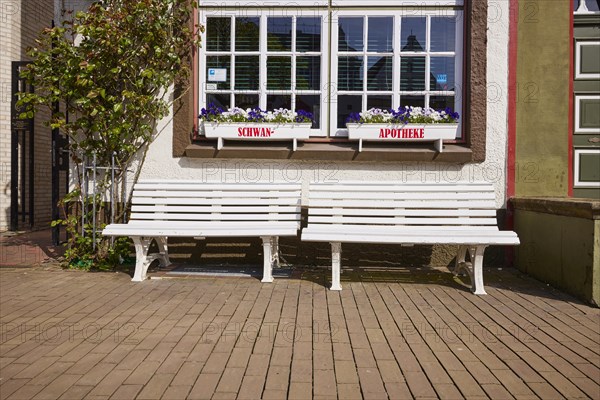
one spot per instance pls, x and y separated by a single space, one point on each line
563 251
543 98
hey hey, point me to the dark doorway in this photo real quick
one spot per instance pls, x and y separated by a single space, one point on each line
22 156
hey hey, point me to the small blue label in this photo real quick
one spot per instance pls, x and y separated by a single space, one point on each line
441 78
211 71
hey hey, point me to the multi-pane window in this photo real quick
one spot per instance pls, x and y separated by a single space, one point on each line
265 61
395 59
332 61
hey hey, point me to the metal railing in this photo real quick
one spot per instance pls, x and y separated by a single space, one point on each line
90 169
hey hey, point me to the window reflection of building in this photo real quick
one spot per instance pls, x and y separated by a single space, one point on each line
413 68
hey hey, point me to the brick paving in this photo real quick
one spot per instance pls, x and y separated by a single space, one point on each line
397 334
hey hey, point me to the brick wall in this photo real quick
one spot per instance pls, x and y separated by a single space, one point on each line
20 23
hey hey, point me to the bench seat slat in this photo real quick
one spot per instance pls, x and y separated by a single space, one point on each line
210 186
170 232
215 217
216 208
404 221
425 203
479 238
400 186
203 201
216 194
442 212
334 228
202 224
370 196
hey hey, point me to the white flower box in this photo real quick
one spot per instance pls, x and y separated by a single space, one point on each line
402 133
256 131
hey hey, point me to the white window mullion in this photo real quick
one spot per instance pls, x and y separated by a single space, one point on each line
232 63
202 67
262 89
427 59
458 72
331 100
365 61
396 76
293 61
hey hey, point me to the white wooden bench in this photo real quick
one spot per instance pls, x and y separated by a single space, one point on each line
462 214
162 209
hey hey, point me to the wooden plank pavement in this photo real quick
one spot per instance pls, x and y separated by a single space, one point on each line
406 333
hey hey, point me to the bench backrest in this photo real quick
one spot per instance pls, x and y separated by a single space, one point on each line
196 201
451 205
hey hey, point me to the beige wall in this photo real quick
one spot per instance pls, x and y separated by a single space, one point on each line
542 143
20 23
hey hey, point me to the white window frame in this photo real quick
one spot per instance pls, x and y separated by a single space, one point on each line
578 183
329 49
578 73
263 53
396 93
578 129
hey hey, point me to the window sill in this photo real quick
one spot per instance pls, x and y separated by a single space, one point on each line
341 151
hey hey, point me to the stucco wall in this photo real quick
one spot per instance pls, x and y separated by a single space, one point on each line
159 163
542 147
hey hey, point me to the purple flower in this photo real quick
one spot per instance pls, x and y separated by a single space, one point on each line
304 116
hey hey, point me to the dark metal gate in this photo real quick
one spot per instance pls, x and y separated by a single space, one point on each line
60 173
22 156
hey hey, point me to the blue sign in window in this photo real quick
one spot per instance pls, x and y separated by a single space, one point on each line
441 78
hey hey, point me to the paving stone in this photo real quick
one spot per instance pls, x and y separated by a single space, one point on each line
252 387
390 371
345 372
496 391
156 386
398 390
258 365
57 388
110 383
131 360
76 392
172 363
302 371
277 378
231 380
142 374
324 383
215 363
187 374
281 356
300 391
270 394
26 392
36 368
96 374
240 356
228 337
349 391
126 392
13 369
419 384
176 392
447 391
10 386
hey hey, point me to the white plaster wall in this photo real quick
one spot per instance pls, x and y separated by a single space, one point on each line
159 163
